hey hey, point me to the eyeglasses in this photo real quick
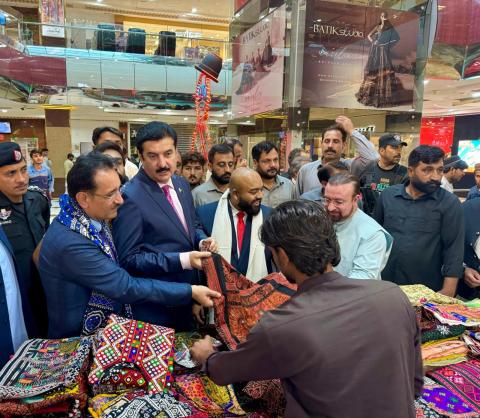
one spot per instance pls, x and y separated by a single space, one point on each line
109 196
334 202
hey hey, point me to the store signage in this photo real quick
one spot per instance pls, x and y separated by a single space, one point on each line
358 57
258 66
369 128
52 12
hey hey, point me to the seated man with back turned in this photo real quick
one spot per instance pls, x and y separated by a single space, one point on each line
78 260
324 343
234 222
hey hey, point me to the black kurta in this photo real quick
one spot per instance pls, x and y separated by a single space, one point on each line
342 348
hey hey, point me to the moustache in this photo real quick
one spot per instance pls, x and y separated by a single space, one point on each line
163 170
330 150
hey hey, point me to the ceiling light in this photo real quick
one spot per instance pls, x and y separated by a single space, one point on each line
475 93
4 110
100 107
185 118
194 10
99 1
426 82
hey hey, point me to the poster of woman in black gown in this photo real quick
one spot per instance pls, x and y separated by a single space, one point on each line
380 86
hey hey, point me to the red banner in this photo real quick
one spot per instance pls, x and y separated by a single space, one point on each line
438 132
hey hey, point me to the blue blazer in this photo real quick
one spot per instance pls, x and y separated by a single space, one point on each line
206 215
6 345
71 266
149 239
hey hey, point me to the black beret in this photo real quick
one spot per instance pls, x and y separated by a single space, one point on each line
10 153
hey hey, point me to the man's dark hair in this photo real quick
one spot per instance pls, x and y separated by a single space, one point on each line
35 151
263 146
219 149
81 177
345 178
294 153
44 149
336 127
426 154
296 164
107 145
154 131
305 232
231 142
97 133
328 170
193 157
70 155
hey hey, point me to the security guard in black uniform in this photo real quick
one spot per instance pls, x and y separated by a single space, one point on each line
24 216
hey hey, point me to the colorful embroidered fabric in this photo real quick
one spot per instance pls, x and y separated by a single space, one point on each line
270 392
473 344
207 396
99 306
444 352
422 410
138 404
463 380
243 302
443 401
418 294
441 332
454 314
45 375
144 352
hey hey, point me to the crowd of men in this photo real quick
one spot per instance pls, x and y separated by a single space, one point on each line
132 241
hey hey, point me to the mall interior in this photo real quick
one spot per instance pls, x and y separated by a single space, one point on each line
340 290
69 66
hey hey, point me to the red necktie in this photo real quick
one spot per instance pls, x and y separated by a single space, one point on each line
240 230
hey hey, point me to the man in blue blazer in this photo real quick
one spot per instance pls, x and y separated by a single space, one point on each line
234 222
156 232
12 325
78 263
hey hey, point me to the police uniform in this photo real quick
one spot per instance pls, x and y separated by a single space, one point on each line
24 225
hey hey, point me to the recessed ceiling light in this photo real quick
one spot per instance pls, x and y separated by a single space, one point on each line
185 118
4 110
426 82
475 93
194 10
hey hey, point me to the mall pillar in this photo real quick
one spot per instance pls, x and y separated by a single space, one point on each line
59 144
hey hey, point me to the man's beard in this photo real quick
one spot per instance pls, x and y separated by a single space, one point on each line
225 179
248 208
271 174
428 188
194 181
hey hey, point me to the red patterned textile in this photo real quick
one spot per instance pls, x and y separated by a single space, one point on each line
243 302
132 354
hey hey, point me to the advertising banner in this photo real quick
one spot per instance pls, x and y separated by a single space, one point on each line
52 12
438 132
258 62
358 57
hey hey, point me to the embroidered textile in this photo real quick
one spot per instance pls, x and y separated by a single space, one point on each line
422 410
270 392
99 306
139 351
243 302
418 294
473 344
207 396
44 375
454 314
463 380
441 332
138 404
444 352
445 402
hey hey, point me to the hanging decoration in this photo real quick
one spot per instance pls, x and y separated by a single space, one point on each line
209 68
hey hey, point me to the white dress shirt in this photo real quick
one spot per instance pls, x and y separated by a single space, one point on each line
131 169
14 300
447 185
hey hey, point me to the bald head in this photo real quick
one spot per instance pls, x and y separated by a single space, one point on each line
246 190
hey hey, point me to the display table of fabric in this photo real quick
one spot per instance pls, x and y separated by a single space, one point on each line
46 376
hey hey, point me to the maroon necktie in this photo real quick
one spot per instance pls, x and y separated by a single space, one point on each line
240 230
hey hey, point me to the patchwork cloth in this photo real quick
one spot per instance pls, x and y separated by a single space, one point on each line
138 404
132 354
463 380
44 376
243 302
207 396
454 314
441 332
422 410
